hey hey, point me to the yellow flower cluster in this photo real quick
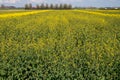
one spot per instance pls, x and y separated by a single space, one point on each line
99 13
20 14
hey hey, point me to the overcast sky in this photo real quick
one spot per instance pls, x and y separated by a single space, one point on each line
81 3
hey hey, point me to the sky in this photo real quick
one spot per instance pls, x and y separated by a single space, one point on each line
77 3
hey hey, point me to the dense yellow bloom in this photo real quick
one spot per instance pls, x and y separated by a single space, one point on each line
20 14
59 44
99 13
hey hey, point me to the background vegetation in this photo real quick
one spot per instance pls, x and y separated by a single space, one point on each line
49 6
44 6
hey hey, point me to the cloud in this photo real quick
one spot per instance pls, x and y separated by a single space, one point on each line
40 1
9 1
37 0
71 0
54 1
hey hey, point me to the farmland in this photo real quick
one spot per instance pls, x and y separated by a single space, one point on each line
60 45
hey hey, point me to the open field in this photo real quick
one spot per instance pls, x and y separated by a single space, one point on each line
60 45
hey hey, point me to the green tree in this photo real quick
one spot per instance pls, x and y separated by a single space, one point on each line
65 6
61 6
37 6
47 7
26 6
42 6
51 6
2 6
56 6
30 6
70 6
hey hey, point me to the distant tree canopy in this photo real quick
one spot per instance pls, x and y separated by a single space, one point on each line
49 6
28 6
2 6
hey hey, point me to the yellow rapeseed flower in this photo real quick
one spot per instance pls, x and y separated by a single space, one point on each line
98 13
20 14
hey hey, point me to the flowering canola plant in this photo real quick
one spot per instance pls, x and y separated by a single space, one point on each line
99 13
59 45
20 14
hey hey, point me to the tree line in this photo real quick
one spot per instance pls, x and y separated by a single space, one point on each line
49 6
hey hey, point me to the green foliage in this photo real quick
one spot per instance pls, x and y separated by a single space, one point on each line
48 6
60 45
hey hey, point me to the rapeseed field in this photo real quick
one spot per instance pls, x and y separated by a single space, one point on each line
60 45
